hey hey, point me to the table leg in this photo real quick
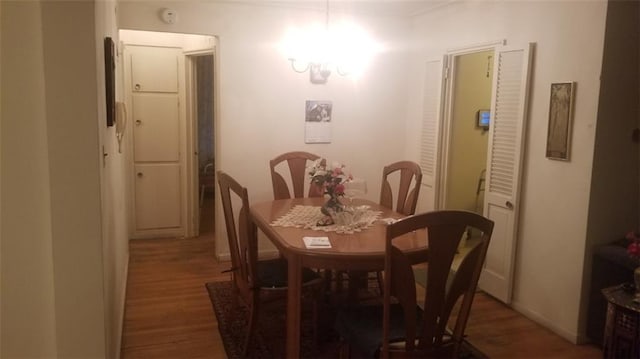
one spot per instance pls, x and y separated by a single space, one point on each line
294 295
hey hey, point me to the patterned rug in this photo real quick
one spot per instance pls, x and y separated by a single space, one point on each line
269 340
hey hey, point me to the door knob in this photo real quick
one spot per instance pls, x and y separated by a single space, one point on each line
137 87
140 175
138 122
509 204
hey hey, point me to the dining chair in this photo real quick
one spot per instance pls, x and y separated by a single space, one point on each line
413 322
257 281
297 162
409 178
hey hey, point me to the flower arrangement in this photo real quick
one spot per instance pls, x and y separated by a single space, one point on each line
331 179
634 246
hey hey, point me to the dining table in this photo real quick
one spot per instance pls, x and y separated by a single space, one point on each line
351 248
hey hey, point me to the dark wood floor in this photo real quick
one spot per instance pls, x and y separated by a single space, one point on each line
168 313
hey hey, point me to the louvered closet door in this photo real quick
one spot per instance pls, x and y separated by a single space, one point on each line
429 143
504 164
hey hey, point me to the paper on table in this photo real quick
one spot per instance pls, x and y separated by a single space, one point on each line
316 242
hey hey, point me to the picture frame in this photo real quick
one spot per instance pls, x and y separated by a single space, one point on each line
559 130
110 80
318 121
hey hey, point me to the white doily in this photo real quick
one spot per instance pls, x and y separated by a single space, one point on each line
349 221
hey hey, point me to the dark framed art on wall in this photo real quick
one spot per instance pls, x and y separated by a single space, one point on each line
110 79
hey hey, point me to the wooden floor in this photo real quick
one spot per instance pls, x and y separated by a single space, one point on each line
168 313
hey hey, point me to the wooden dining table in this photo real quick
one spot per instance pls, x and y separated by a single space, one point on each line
358 251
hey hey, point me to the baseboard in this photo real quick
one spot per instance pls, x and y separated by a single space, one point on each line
122 312
549 324
270 254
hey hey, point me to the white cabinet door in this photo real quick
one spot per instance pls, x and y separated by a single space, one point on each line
504 165
153 78
157 188
156 127
154 69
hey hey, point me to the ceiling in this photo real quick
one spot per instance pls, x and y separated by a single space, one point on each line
394 8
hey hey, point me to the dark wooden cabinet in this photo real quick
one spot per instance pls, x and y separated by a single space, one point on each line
622 326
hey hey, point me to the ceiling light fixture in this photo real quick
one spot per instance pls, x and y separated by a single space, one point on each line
319 49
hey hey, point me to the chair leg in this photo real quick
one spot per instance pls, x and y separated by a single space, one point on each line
345 350
315 319
251 329
380 282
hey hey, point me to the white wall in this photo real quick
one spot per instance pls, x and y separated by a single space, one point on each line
69 49
28 313
53 300
260 109
114 210
555 195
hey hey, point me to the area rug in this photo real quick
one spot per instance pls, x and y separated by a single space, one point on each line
269 340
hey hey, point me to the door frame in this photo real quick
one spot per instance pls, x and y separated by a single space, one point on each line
192 165
447 117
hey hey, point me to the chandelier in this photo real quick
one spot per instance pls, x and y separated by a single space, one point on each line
321 49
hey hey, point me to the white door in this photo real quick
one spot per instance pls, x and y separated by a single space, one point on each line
504 166
153 86
430 136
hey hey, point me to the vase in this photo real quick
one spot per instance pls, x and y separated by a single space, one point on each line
330 208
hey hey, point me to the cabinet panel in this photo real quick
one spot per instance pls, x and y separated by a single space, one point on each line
154 69
157 188
156 127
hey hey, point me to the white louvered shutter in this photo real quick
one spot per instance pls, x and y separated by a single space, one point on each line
430 135
504 163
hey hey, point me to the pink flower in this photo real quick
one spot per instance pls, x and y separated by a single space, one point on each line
634 247
339 189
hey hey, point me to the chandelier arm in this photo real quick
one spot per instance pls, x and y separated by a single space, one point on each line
293 66
340 72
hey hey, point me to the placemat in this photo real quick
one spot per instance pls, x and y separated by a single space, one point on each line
348 221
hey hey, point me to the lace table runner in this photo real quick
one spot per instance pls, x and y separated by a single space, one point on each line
350 221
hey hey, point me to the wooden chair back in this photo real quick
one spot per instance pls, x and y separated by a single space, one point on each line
241 234
444 230
410 174
297 162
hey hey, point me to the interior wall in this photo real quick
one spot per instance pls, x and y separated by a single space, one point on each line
468 143
261 100
69 38
28 323
616 163
551 239
52 265
115 243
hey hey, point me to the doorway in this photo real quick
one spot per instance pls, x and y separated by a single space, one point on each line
499 196
203 108
468 138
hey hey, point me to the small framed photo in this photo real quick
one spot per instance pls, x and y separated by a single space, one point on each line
560 120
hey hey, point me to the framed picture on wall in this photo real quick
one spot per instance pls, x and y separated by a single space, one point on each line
317 119
110 79
560 120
